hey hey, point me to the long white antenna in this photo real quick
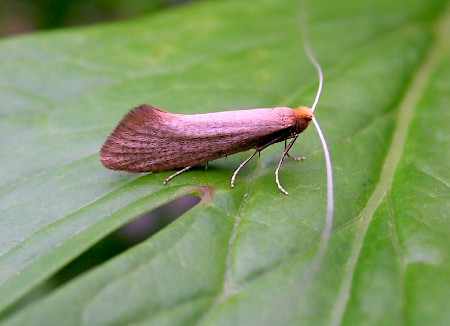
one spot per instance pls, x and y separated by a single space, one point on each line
325 238
312 58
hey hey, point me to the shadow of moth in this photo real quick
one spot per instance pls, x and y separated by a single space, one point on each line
149 139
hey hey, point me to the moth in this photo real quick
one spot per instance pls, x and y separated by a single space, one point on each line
149 139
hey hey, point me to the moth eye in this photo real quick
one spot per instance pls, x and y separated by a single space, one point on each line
303 123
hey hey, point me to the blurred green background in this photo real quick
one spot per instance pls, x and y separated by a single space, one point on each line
23 16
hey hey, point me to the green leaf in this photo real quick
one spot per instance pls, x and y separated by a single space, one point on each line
242 256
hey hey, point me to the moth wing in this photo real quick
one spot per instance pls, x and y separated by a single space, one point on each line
151 139
137 140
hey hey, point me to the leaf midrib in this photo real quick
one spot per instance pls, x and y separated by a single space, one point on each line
406 111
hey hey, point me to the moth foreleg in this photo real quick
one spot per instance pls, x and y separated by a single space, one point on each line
258 150
277 171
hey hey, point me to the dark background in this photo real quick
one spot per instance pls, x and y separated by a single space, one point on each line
23 16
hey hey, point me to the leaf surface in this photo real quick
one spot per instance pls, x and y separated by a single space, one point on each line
240 256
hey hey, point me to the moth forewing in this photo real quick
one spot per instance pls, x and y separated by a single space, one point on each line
150 139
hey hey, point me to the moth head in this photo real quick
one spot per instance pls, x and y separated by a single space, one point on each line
303 116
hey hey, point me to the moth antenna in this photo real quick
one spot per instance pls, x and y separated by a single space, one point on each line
325 238
316 64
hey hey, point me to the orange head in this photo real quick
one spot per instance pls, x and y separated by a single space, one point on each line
304 116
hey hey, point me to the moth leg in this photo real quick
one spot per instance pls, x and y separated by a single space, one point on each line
301 158
177 173
277 171
240 167
258 150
